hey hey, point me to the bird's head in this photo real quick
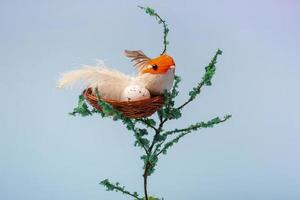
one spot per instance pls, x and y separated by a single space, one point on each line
159 65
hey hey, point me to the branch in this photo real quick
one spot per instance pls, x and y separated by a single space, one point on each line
150 162
174 91
148 122
116 187
140 141
190 129
206 79
162 121
152 12
168 112
198 89
150 159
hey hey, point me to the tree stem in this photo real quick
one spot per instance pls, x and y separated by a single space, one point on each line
149 152
145 175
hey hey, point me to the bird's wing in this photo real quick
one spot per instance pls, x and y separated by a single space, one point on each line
138 57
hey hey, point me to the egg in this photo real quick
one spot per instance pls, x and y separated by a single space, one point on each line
135 93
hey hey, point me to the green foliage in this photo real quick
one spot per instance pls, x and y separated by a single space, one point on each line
168 111
174 91
140 140
151 12
190 129
150 161
148 10
107 109
210 70
82 108
116 187
150 123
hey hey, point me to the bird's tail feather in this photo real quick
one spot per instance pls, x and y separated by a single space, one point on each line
109 82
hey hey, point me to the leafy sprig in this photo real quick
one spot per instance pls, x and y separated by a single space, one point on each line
186 131
151 12
118 188
210 70
82 108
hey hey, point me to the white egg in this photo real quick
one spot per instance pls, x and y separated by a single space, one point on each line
135 93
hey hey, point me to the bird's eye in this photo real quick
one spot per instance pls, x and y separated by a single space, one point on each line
154 67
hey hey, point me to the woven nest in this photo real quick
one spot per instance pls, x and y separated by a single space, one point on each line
130 109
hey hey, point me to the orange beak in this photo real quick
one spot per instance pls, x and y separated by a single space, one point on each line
162 64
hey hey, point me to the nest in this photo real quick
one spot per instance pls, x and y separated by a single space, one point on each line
130 109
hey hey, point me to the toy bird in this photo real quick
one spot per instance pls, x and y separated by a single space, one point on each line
153 78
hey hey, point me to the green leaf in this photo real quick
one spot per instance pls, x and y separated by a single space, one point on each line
211 69
175 113
82 108
150 11
150 122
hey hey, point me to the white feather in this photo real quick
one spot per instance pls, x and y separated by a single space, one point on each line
109 82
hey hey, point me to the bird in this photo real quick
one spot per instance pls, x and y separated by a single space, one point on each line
154 77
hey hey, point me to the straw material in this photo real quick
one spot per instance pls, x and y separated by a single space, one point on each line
130 109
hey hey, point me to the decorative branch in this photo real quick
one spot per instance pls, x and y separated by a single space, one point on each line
148 122
116 187
159 144
151 12
140 140
206 79
190 129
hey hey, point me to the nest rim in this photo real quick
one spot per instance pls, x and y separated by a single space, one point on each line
131 109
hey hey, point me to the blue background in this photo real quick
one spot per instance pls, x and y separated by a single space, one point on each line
45 154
